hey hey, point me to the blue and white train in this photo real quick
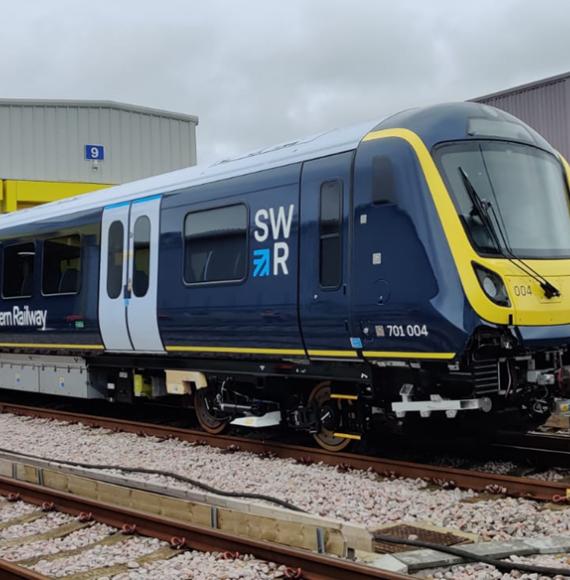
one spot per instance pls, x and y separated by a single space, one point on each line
415 265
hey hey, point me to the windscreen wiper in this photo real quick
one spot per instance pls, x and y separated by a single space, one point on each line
482 207
479 205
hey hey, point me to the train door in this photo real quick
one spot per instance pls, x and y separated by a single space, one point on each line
324 251
128 280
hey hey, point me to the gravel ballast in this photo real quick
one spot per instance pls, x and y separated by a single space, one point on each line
42 525
356 496
205 566
12 510
125 552
72 541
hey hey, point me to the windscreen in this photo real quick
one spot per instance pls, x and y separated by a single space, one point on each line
523 192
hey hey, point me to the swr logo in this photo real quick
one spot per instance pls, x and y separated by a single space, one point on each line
277 224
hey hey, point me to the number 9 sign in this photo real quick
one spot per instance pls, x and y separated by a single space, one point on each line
94 152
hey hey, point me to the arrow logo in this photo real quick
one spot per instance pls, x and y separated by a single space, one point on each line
261 262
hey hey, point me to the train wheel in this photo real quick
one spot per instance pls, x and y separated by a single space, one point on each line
210 423
328 410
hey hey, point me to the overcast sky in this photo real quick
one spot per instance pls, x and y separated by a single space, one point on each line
259 72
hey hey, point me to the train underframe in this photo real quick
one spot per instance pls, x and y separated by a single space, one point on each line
338 403
335 402
336 412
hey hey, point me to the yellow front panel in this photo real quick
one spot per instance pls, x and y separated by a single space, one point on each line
532 307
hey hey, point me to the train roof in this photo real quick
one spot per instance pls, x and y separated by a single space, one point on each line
297 150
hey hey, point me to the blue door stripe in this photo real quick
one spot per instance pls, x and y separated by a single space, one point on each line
133 201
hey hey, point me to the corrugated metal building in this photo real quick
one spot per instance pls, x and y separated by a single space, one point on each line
53 149
544 105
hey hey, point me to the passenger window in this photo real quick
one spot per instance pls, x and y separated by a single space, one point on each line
383 181
141 258
330 262
115 259
215 245
18 278
61 268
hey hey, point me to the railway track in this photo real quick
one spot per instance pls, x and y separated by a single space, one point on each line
300 563
463 478
543 448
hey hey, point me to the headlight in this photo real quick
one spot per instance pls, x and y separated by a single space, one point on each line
492 285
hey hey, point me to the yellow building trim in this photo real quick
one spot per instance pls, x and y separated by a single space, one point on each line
237 350
17 194
51 345
401 354
530 310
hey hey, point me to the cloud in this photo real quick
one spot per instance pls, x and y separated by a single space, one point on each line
262 71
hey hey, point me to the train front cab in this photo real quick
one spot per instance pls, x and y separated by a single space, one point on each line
491 266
